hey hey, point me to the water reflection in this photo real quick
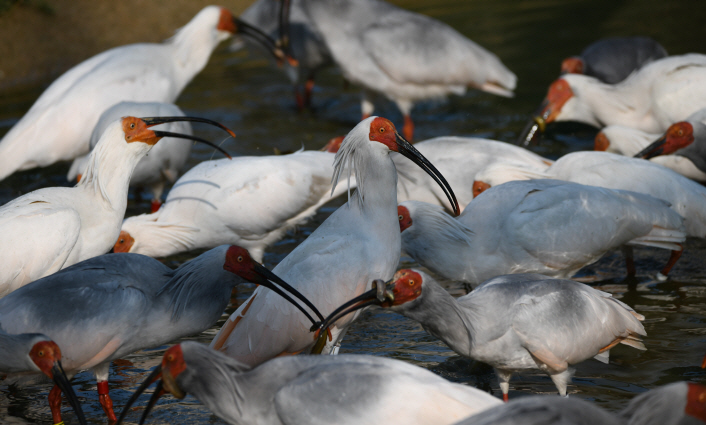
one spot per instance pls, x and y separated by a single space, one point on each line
531 37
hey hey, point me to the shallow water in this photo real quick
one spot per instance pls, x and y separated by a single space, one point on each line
531 38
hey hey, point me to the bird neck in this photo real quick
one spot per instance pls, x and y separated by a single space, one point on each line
110 167
199 291
442 316
192 47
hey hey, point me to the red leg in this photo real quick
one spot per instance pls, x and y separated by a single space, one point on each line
154 206
55 404
629 260
105 401
408 128
308 89
672 260
300 100
506 398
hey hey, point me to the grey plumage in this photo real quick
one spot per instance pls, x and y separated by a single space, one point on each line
611 60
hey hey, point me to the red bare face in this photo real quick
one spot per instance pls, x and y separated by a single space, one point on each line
238 261
404 218
559 93
479 187
136 130
383 131
408 286
696 401
225 22
334 144
678 136
44 354
572 65
601 142
124 243
173 365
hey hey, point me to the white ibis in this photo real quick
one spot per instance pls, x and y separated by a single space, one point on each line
109 306
37 353
55 128
458 159
52 228
359 242
613 59
538 226
611 171
247 201
673 404
304 43
515 322
661 93
682 148
346 389
404 56
164 163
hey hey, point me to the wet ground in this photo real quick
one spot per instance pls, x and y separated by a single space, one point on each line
254 98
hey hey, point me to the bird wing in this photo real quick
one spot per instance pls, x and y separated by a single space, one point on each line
375 392
565 226
39 238
681 91
563 322
415 49
89 309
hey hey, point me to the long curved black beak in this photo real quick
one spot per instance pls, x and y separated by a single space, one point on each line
153 376
378 295
653 149
158 391
269 280
406 149
528 135
269 44
152 121
62 381
283 41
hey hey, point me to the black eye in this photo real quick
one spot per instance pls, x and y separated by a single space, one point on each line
40 353
132 125
240 258
121 241
400 217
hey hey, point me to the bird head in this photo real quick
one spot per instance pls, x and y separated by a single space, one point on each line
138 130
381 130
678 136
173 365
601 142
404 217
229 24
479 187
405 286
46 355
239 262
124 242
559 93
572 65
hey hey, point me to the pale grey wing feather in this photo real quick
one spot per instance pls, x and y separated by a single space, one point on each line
402 393
544 410
552 218
570 320
664 406
414 49
84 307
39 237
